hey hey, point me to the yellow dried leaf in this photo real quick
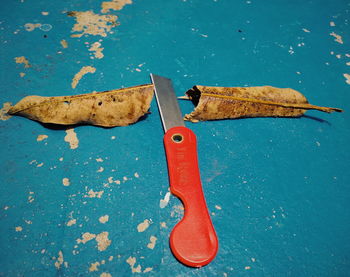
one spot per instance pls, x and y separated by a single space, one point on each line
213 103
119 107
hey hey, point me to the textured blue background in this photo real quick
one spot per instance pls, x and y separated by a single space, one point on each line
283 185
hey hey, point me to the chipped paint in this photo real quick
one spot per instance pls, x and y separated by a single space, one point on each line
132 261
102 241
94 194
136 175
31 26
347 78
306 30
163 225
41 137
86 237
3 111
152 243
337 37
71 138
178 211
66 182
89 23
19 229
332 24
218 207
164 202
22 74
94 266
105 274
71 222
22 60
148 269
104 219
64 43
84 70
97 50
60 260
143 226
115 5
101 169
99 160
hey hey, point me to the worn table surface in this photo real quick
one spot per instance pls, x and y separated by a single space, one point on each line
93 201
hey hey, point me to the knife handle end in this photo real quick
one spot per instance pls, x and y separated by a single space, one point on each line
193 240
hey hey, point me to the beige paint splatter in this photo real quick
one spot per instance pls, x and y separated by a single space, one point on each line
71 222
101 169
337 37
115 5
102 241
60 260
152 243
3 111
66 182
99 160
31 26
136 175
306 30
41 137
143 226
19 229
105 274
163 225
22 60
347 77
64 43
104 219
71 138
84 70
332 24
45 13
132 261
22 74
148 269
86 237
94 267
218 207
31 197
94 194
89 23
97 49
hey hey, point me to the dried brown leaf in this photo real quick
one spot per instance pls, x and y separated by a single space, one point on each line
111 108
214 103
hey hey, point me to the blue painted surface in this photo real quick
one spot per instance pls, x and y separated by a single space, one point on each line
282 184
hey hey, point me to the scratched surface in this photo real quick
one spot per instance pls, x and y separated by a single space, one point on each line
94 201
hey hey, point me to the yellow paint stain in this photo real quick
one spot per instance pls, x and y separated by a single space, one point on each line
347 78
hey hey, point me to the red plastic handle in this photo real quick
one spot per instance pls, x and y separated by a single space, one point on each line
193 240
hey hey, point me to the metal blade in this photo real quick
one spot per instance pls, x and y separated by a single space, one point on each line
167 103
